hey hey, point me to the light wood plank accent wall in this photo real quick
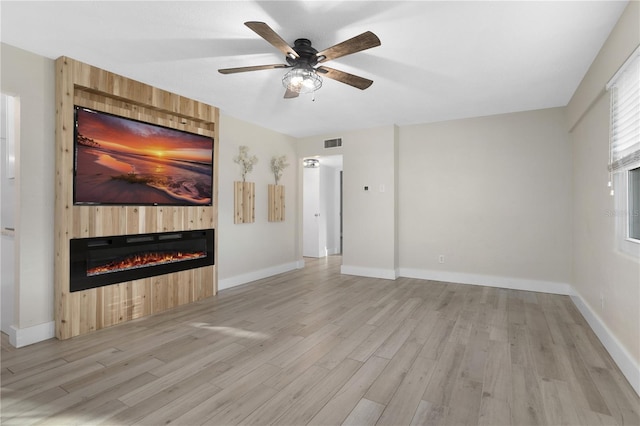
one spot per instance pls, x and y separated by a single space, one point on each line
85 311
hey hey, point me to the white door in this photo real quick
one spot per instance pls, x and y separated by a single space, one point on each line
311 212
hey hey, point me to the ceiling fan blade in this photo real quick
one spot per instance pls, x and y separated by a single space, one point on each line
290 94
346 78
364 41
265 31
254 68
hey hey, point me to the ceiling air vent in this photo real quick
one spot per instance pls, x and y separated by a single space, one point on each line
333 143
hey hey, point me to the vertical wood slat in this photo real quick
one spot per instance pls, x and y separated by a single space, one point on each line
64 195
244 202
84 311
276 203
238 211
248 202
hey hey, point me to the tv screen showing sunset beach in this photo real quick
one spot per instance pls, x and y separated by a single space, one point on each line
123 161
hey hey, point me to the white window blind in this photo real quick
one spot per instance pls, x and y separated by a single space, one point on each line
625 115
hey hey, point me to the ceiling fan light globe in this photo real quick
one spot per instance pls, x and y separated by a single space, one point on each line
301 80
308 83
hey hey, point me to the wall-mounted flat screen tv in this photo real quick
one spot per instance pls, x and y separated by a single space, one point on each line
123 161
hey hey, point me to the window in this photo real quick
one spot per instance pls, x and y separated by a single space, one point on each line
624 153
634 204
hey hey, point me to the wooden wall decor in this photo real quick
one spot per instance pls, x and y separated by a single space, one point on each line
244 194
84 311
276 203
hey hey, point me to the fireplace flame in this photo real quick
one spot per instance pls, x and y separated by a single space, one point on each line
144 260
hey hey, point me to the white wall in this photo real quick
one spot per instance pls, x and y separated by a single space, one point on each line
255 250
32 78
599 269
490 194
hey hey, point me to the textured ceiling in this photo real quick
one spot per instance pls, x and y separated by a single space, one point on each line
438 60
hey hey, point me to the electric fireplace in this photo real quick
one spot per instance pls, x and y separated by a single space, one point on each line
101 261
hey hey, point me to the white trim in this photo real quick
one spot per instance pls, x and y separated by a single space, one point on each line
333 251
489 281
387 274
623 359
621 214
19 337
259 274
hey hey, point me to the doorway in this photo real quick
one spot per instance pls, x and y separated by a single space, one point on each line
9 113
322 206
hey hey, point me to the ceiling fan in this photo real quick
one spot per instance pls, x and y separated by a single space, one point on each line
304 77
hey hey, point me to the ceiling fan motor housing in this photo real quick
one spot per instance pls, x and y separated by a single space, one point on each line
307 55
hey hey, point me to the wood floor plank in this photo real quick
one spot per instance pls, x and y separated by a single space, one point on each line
290 356
177 375
438 339
445 375
302 363
173 400
405 401
238 409
497 374
476 353
267 413
394 373
527 407
622 404
464 406
345 400
310 403
198 413
85 409
429 414
494 411
348 344
312 346
365 413
391 346
558 408
371 344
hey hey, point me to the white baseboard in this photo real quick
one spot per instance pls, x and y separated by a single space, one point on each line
259 274
629 367
489 281
387 274
19 337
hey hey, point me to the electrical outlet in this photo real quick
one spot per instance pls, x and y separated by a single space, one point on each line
441 258
602 301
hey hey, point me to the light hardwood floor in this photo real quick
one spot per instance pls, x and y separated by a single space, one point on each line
316 347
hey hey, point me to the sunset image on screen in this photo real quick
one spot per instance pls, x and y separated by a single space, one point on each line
122 161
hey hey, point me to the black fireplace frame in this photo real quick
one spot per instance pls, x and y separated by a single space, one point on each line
80 248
